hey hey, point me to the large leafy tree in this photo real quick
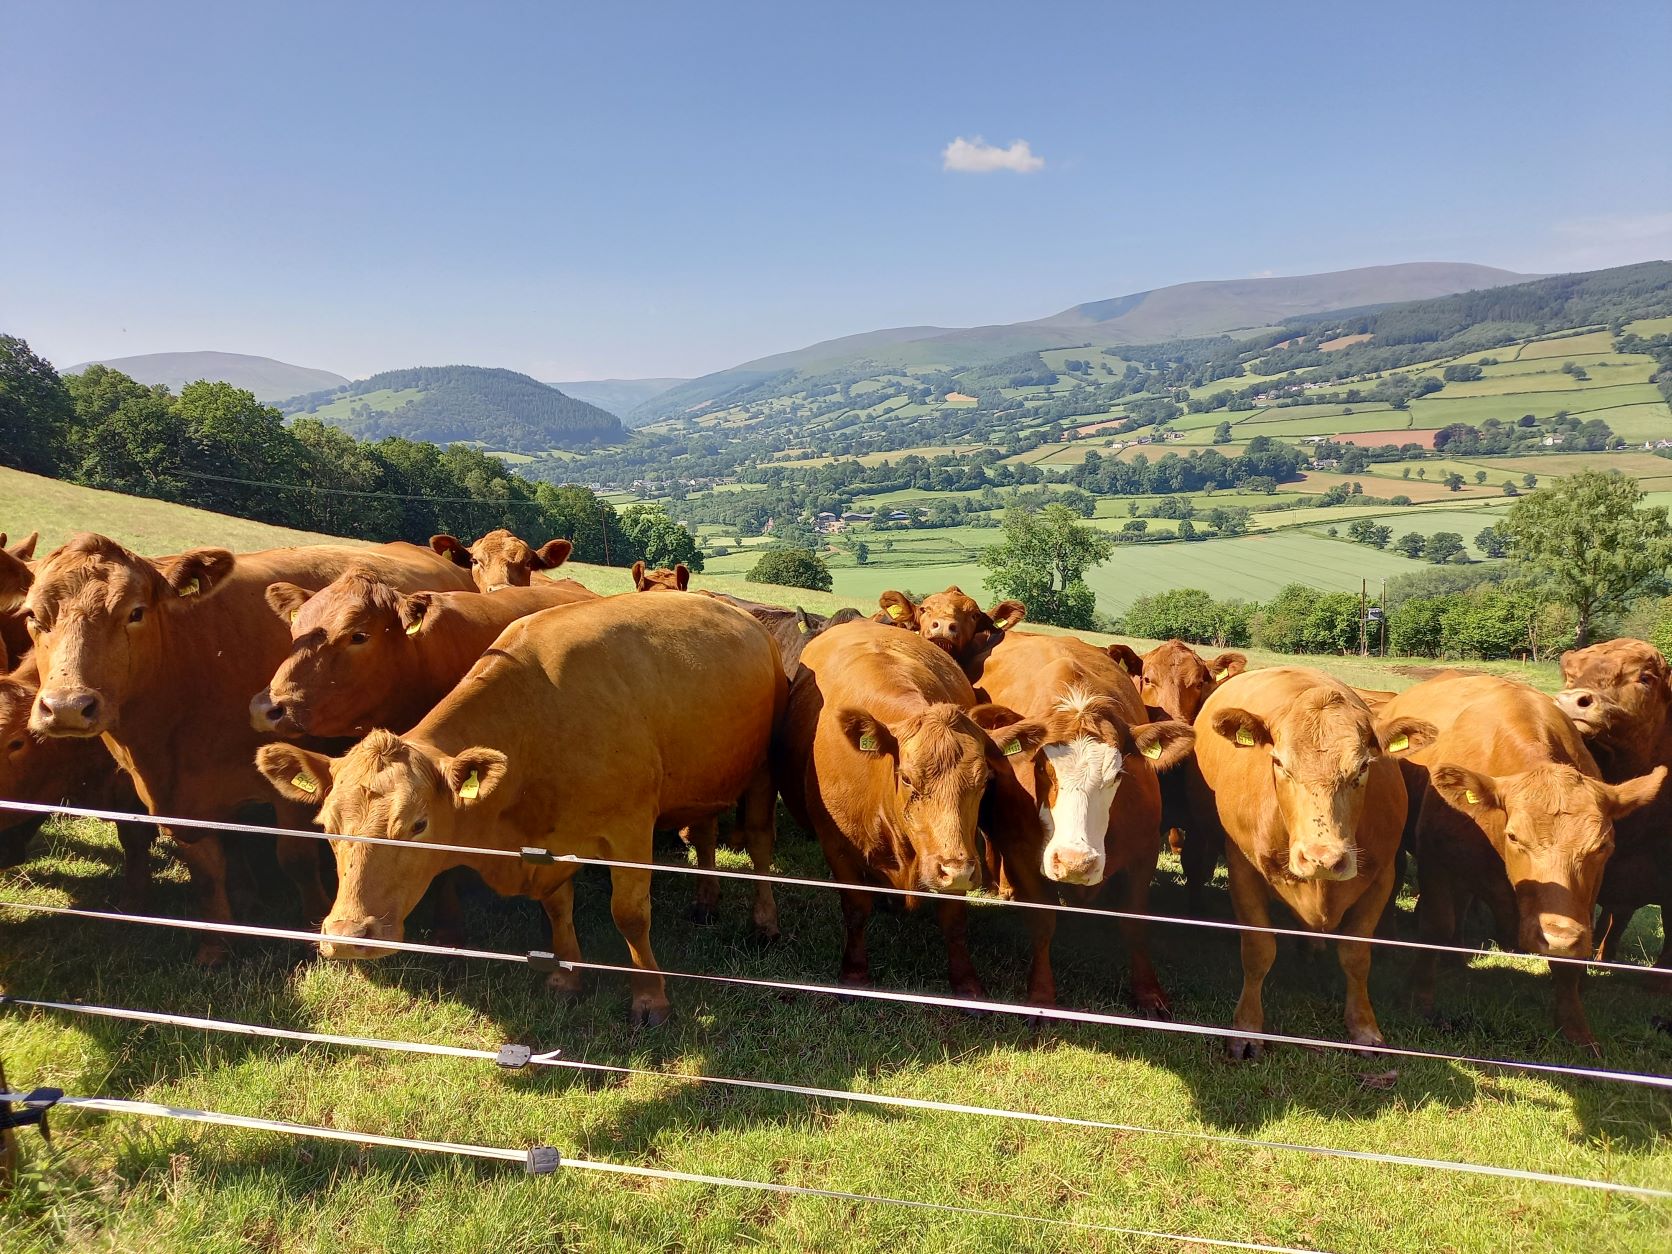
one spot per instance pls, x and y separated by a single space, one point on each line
1042 562
1590 543
791 567
657 539
36 414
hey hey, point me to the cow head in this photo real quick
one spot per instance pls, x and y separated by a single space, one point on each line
1174 678
661 579
950 620
501 560
1321 749
350 647
1618 693
1078 764
395 789
15 575
1554 829
938 761
99 616
25 765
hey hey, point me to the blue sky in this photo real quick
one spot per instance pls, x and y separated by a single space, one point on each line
647 189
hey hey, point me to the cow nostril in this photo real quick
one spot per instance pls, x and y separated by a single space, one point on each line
1582 701
275 713
88 706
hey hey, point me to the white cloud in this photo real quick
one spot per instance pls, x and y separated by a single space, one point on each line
977 156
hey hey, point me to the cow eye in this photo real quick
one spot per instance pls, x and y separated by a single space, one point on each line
15 745
358 637
420 827
1645 678
137 614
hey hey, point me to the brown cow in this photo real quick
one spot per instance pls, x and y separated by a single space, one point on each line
950 620
16 575
1173 679
1508 805
879 756
159 658
364 654
1619 696
1091 805
1305 791
581 731
501 560
661 579
74 772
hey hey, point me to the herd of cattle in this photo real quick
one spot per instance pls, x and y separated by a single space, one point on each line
446 696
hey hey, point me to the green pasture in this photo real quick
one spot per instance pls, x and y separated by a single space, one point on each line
384 399
1566 346
1650 327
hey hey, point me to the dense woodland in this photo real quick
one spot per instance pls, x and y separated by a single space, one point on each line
497 409
214 446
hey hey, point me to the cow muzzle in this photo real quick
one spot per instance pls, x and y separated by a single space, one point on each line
951 875
1585 707
367 928
1556 936
1322 861
69 712
1071 865
273 717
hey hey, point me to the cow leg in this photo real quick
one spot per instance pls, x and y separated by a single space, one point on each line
1436 925
447 914
1030 885
856 913
559 905
135 839
630 908
205 859
1147 994
1570 1014
299 859
1361 919
960 968
1259 951
757 816
704 838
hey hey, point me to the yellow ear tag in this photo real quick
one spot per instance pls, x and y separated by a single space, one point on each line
190 590
894 612
1471 796
1151 751
1244 736
802 623
867 743
292 617
305 783
413 628
472 787
1220 674
1013 748
1004 623
1399 744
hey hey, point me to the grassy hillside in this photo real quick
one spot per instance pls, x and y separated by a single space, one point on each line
495 409
269 380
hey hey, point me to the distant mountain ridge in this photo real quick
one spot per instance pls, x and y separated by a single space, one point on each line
499 410
267 379
1183 311
619 396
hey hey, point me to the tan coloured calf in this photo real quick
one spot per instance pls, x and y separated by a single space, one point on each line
583 730
1508 805
950 620
16 574
1091 801
881 759
502 560
661 579
1305 791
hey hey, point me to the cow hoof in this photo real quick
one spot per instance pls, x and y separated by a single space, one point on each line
764 936
1368 1043
1240 1049
1583 1040
564 984
700 913
211 954
650 1014
451 937
1155 1006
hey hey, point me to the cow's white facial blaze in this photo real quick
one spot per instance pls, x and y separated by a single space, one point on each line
1087 773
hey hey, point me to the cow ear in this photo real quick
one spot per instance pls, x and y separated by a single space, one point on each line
473 774
552 554
415 611
1634 794
1007 614
1468 791
900 609
1164 744
1562 666
865 733
1127 658
1241 728
196 573
451 547
298 774
24 549
1015 741
1226 665
991 715
286 600
1405 735
682 576
638 576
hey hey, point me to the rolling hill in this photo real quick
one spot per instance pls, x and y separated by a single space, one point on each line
267 379
499 410
1186 310
619 396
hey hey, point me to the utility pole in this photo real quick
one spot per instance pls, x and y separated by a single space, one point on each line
1363 614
